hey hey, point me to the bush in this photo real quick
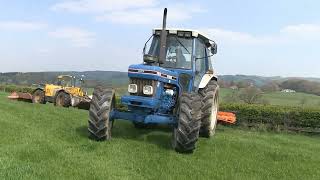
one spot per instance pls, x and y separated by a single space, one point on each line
274 116
14 88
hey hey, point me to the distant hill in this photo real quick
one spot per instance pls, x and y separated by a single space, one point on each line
92 77
117 78
261 80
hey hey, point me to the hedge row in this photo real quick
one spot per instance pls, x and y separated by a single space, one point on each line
274 117
14 88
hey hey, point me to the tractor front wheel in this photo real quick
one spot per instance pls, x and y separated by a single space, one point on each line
62 99
209 109
186 132
100 123
38 97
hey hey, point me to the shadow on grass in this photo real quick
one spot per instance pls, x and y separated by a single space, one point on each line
153 134
82 131
158 135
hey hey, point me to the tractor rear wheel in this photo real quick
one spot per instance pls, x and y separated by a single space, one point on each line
62 99
38 97
102 104
186 132
209 109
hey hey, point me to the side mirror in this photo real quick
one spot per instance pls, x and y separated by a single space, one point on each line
213 48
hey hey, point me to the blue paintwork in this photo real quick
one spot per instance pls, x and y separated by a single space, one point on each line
168 71
156 109
147 119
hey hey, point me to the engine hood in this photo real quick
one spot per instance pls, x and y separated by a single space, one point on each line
153 72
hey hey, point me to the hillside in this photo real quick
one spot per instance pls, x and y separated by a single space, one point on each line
120 78
41 141
282 99
29 78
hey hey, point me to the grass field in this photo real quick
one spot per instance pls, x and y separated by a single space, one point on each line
44 142
283 99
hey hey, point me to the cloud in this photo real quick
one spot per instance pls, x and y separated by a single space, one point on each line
76 36
228 36
21 26
148 15
304 31
101 6
130 12
287 34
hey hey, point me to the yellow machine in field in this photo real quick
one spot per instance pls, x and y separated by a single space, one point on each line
66 91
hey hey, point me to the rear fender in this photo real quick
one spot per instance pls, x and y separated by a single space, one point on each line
42 89
206 79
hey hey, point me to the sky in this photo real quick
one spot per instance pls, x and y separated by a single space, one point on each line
255 37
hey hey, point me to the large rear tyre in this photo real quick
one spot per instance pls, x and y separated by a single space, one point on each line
209 109
38 97
186 132
62 99
100 123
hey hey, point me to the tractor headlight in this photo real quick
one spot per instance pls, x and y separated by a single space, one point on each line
169 92
147 90
132 88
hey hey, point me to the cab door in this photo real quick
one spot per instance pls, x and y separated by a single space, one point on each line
201 61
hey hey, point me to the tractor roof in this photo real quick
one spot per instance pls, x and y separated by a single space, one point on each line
194 33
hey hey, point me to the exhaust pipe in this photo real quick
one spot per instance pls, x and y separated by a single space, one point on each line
163 38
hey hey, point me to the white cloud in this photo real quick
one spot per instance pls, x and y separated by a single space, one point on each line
287 34
234 37
148 15
130 12
77 37
101 6
21 25
302 28
303 31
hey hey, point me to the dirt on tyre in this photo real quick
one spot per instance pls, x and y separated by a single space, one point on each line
186 132
100 123
38 97
62 99
209 109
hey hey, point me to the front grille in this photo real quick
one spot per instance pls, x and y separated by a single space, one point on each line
142 82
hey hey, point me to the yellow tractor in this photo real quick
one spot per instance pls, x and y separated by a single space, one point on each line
65 92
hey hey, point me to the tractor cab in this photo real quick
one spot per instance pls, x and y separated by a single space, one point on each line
187 52
69 81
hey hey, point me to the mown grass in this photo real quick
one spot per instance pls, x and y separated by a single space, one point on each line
282 99
44 142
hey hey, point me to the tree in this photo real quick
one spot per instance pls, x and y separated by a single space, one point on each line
301 85
222 83
270 87
250 95
243 84
232 97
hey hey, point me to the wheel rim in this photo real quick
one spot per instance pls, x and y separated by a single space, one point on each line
214 114
59 100
37 98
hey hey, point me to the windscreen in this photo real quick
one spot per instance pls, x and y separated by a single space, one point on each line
178 52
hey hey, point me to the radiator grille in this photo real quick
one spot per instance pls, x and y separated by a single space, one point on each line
142 82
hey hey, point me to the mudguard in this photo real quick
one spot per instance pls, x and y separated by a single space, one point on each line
206 78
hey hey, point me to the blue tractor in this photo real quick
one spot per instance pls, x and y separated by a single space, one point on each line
174 85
